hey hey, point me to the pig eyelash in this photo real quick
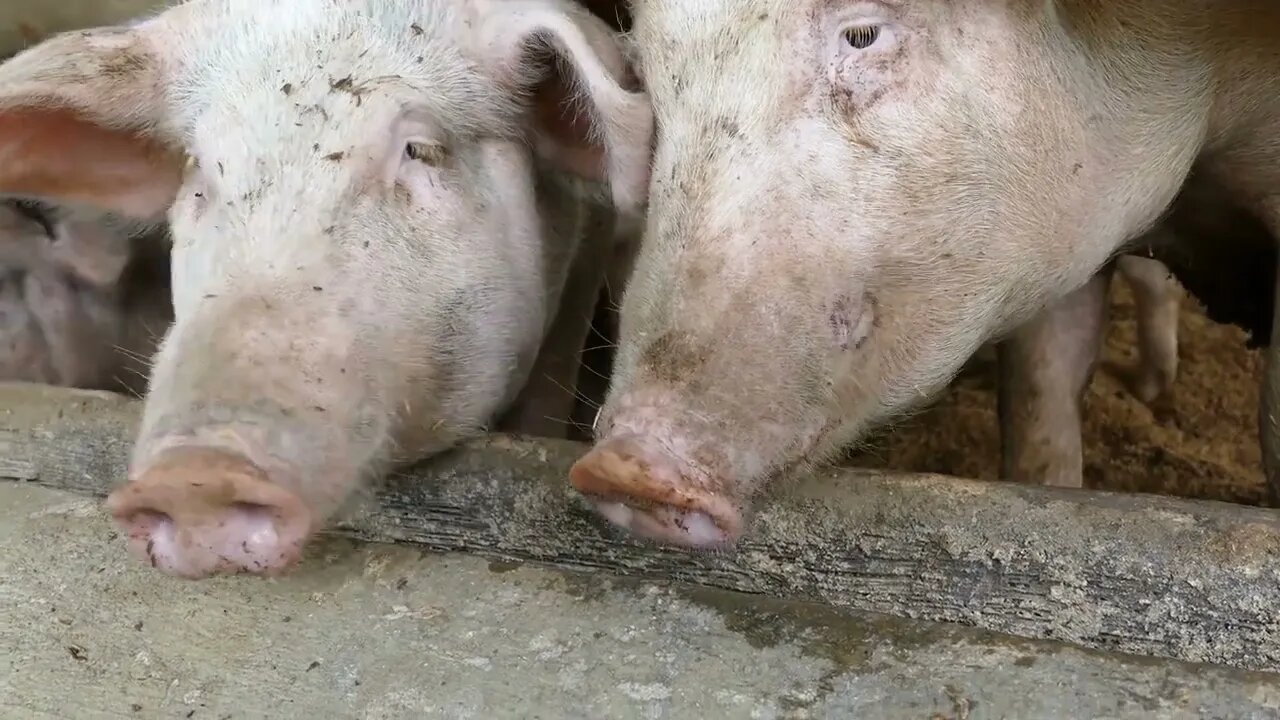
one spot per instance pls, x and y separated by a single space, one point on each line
862 36
429 154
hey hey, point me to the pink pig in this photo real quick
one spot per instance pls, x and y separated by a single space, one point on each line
379 213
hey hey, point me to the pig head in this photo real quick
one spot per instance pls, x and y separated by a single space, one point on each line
849 198
374 207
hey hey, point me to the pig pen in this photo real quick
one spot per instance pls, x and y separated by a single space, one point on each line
1201 443
480 585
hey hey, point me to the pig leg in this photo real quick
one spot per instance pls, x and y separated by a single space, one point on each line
1156 295
1045 368
545 405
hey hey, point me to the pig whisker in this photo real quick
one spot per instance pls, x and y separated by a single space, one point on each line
152 334
573 393
600 347
570 422
595 372
128 390
132 355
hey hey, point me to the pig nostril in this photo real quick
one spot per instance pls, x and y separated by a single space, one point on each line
259 523
148 521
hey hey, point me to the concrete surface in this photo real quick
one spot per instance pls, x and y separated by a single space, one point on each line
383 631
1140 574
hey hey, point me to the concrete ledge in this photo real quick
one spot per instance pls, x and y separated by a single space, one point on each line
1194 581
384 632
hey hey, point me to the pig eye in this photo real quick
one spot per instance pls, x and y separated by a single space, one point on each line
862 37
429 154
36 212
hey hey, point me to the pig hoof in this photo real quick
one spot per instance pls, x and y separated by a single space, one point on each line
646 494
198 512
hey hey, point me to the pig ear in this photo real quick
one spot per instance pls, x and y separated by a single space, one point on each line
80 121
588 115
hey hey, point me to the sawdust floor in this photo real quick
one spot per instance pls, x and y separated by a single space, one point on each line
1203 446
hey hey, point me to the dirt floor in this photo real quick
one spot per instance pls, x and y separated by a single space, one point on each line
1203 446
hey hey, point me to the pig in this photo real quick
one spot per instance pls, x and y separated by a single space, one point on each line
84 297
849 198
1156 296
1045 367
375 207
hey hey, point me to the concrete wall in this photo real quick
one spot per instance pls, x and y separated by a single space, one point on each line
24 22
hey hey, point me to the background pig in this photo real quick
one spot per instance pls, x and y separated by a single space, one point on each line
1046 366
374 205
848 199
84 297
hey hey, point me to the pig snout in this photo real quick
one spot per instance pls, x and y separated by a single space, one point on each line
654 494
661 477
196 512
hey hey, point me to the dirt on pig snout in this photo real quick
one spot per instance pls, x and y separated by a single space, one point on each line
1203 444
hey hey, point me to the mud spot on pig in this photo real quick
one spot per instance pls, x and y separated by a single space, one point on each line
348 85
126 62
851 321
729 127
673 358
704 266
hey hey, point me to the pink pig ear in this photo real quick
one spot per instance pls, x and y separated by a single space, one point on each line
81 119
588 115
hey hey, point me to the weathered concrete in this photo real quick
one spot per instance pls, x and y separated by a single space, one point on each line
26 22
381 631
1157 576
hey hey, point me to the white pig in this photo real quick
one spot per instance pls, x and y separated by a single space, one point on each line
375 206
84 297
1045 367
849 198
